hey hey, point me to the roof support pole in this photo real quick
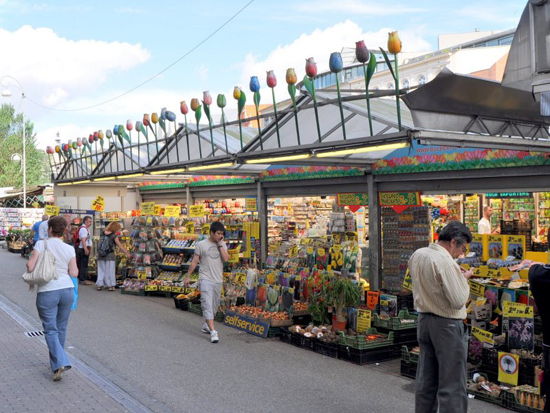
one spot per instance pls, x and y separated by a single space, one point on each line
189 198
262 216
374 235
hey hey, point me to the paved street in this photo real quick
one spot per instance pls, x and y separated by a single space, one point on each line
135 353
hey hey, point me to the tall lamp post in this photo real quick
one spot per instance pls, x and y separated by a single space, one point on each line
7 93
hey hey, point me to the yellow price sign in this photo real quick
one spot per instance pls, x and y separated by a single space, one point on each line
493 273
196 211
310 250
157 211
233 255
205 230
172 211
141 274
98 203
240 278
321 252
364 319
190 227
166 288
480 272
483 336
251 204
293 251
148 208
510 309
477 289
407 282
52 210
177 289
151 288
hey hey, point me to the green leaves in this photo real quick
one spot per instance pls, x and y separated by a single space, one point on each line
386 58
371 67
242 102
257 98
308 84
292 93
207 112
198 114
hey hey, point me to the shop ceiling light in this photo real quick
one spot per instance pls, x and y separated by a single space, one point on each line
168 171
107 178
130 176
213 166
82 182
362 150
279 158
65 183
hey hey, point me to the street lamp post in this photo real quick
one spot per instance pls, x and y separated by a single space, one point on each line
7 93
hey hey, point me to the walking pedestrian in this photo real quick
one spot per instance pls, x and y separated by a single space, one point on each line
55 299
441 291
211 253
83 250
106 259
43 228
35 231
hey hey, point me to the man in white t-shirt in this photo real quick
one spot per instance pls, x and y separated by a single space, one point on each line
211 253
83 250
484 225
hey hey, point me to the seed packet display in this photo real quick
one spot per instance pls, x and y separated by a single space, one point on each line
521 333
388 306
137 258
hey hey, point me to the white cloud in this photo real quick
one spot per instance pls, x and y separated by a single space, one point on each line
203 73
319 44
372 8
53 68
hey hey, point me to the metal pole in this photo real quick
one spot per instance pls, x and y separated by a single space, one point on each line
374 235
262 216
24 154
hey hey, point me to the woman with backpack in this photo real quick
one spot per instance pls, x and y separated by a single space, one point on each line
106 260
55 298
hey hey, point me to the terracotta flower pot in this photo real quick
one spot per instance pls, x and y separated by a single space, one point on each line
338 325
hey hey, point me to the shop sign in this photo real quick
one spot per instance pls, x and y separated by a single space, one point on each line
508 367
520 310
52 210
246 324
147 208
172 211
364 318
509 195
353 201
233 256
98 203
483 336
251 204
372 299
477 289
157 211
399 201
407 282
196 211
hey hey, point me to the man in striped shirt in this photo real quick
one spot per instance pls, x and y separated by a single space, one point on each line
441 291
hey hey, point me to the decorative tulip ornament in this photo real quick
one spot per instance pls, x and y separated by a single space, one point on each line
197 108
394 47
118 133
50 152
207 101
171 117
221 104
109 136
309 83
291 80
185 110
363 56
58 151
255 88
336 65
240 96
155 120
271 81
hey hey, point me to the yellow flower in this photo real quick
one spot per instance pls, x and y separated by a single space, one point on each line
394 43
237 92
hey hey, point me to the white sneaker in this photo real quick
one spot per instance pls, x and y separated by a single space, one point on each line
205 329
214 336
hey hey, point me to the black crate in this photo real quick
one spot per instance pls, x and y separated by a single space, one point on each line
299 340
398 348
274 332
285 335
405 301
538 325
511 402
402 337
184 304
368 356
302 320
177 303
326 349
240 301
408 369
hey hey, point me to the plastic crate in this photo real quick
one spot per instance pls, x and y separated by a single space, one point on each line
195 308
366 356
285 335
326 349
301 341
274 332
408 369
396 323
512 402
177 303
302 320
140 293
499 400
407 356
359 342
398 348
404 337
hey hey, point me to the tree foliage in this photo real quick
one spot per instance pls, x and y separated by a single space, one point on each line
11 142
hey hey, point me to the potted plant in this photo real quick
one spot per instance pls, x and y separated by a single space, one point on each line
343 293
318 291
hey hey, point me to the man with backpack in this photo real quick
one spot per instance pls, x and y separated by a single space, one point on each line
83 247
106 258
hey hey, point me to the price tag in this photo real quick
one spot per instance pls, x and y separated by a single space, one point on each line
142 274
407 282
251 204
190 227
293 251
147 208
240 278
480 272
177 289
321 252
291 290
98 203
277 288
52 210
477 289
310 250
151 288
351 236
233 255
205 230
483 336
510 309
364 318
158 211
336 249
172 211
493 273
166 288
196 211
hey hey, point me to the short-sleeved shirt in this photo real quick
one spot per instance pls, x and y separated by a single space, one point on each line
211 263
43 230
484 226
83 232
36 228
63 254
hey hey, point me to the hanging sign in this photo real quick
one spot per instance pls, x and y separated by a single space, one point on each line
251 204
353 201
508 367
172 211
399 201
98 203
157 211
52 210
483 336
364 318
233 256
147 208
407 282
196 211
372 299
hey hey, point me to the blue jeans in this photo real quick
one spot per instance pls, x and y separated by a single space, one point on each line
54 308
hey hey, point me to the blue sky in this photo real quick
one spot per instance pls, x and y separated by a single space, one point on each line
73 54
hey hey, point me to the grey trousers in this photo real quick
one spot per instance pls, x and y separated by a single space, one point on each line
442 371
210 298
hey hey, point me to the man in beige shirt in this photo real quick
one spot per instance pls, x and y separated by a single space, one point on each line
441 291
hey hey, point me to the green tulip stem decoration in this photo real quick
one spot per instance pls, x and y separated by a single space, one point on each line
195 107
272 82
240 96
309 83
255 88
368 71
336 65
291 80
139 144
207 101
221 101
187 139
394 47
